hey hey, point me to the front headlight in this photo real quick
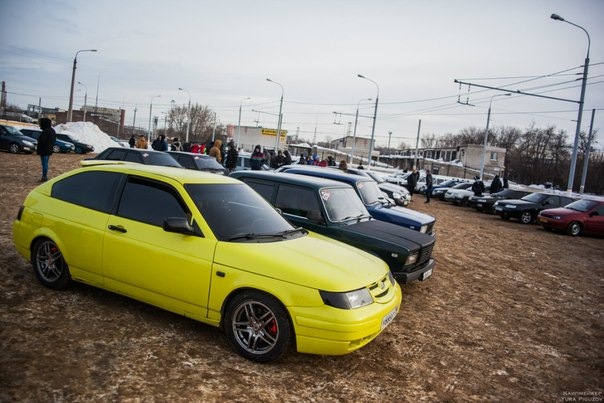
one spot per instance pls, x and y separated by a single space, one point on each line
28 143
347 300
423 229
512 206
556 217
411 259
396 195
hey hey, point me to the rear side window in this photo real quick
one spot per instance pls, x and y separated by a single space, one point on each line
94 190
263 189
150 202
298 201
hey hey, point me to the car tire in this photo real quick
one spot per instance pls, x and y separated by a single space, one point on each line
526 217
505 216
49 265
79 150
14 148
574 228
258 326
56 149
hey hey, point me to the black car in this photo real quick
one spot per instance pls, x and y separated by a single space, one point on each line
13 141
485 203
527 208
80 148
59 146
140 156
333 209
199 162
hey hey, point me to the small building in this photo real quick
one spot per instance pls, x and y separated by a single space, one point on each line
247 137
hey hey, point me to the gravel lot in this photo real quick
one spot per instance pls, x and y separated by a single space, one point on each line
512 313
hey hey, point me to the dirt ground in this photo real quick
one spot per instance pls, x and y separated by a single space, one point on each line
512 313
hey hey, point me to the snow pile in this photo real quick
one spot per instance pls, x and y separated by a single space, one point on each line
89 133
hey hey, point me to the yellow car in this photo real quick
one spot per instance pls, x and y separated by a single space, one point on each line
207 247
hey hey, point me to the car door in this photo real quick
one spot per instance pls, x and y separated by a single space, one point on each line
142 260
595 220
301 207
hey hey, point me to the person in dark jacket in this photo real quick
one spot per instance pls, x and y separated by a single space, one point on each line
429 185
45 143
496 185
411 182
231 157
132 141
288 157
477 186
257 159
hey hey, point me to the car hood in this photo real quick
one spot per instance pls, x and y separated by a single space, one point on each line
391 187
398 237
311 261
402 212
517 202
559 211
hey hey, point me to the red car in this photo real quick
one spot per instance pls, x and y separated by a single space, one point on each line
582 216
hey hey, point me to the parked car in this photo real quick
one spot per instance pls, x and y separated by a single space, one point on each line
210 248
585 216
13 141
333 209
371 196
460 194
121 142
400 178
527 208
80 148
485 203
199 162
140 156
399 194
60 146
438 191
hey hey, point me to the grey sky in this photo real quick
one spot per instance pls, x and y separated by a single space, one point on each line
223 51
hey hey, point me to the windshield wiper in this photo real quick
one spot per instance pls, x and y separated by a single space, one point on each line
356 217
252 236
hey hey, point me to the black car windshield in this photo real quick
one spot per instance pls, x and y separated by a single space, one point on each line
207 163
343 204
535 197
235 212
13 131
582 205
370 192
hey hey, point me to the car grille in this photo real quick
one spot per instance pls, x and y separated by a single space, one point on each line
380 290
425 254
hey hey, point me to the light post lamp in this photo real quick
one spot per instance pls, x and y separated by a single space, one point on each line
239 122
75 62
85 97
354 132
486 135
188 113
280 115
573 162
150 111
374 117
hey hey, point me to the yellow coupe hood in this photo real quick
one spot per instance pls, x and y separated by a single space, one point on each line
311 260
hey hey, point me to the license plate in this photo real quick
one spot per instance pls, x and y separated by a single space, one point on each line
389 318
426 274
542 219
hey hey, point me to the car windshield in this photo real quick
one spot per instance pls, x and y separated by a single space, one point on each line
160 159
506 193
535 197
236 213
207 163
370 192
375 177
582 205
343 204
13 131
461 186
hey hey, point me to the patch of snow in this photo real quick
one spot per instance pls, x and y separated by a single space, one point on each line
89 133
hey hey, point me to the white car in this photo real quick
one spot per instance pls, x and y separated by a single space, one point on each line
459 196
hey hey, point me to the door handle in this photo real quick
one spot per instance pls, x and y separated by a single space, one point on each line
117 228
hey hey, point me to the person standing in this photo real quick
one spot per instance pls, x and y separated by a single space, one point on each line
215 151
46 141
231 157
141 142
496 185
429 185
477 186
132 141
411 182
257 159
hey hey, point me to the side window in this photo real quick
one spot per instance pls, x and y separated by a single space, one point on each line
552 201
95 190
298 201
130 156
150 202
116 155
185 161
263 189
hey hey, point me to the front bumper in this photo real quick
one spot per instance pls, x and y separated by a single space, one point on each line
422 273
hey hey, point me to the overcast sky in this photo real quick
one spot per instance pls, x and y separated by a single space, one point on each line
222 52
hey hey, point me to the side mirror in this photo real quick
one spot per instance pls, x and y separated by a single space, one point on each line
178 225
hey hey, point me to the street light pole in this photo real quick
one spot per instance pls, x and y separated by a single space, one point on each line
374 117
188 113
75 62
150 111
239 123
486 136
573 163
280 115
354 132
85 97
